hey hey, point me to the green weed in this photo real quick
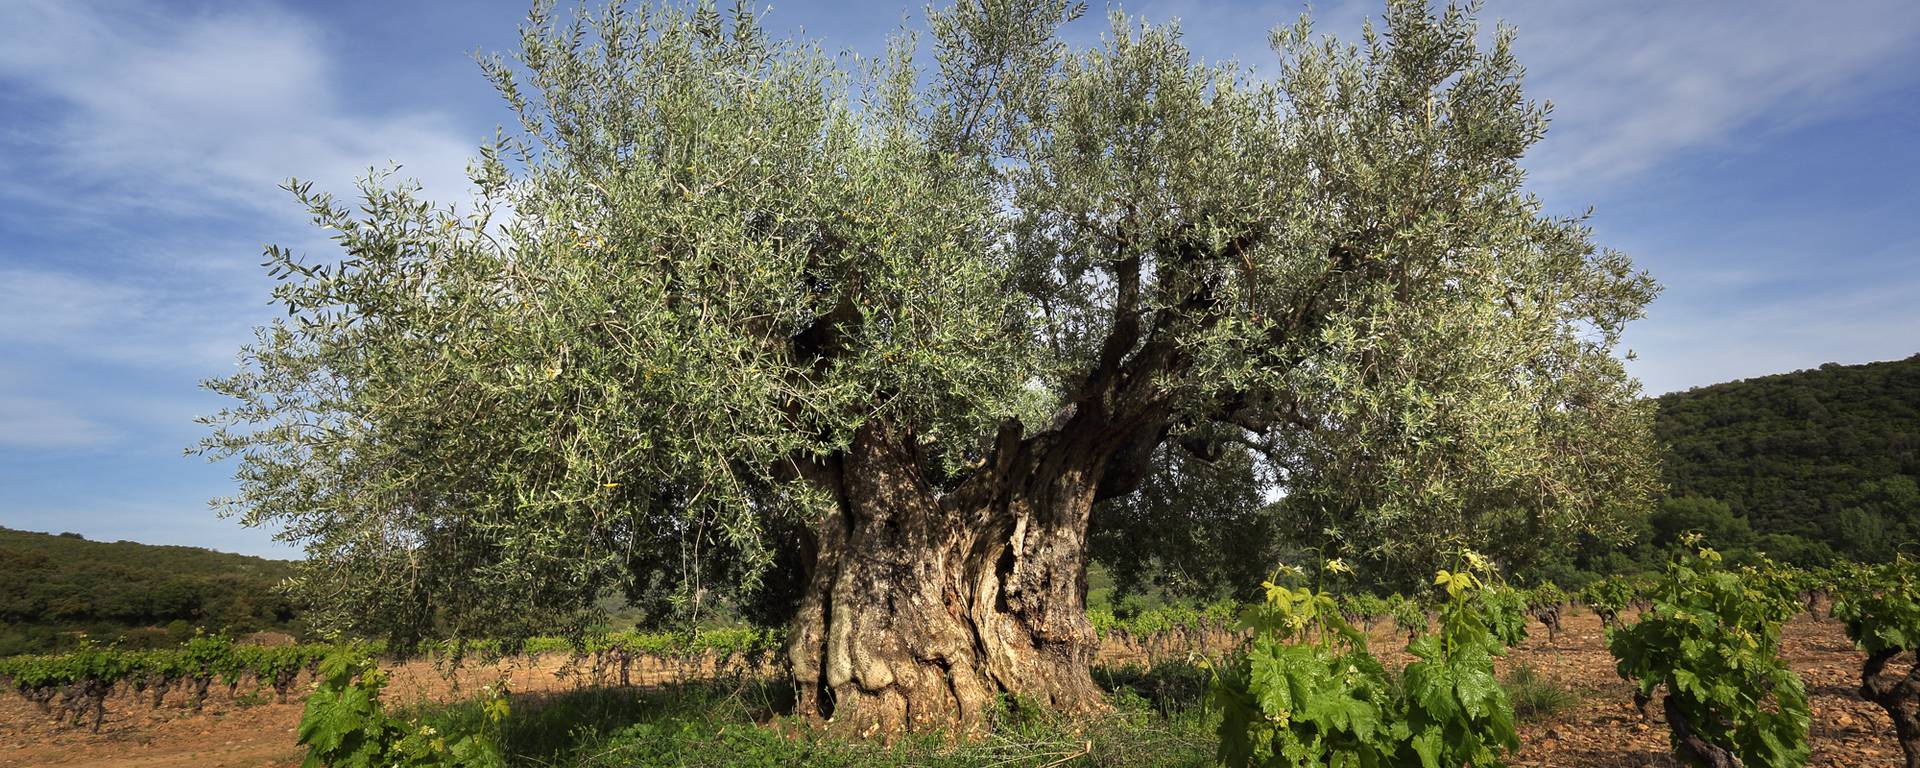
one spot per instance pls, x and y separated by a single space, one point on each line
1537 695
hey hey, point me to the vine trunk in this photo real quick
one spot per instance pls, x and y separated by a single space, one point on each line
1899 696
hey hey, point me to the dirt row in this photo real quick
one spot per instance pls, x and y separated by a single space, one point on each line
248 728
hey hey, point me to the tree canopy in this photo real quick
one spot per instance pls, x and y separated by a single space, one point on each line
709 264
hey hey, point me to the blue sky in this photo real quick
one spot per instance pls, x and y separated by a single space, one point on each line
1757 156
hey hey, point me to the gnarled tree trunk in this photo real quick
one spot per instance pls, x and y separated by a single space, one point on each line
1899 696
923 607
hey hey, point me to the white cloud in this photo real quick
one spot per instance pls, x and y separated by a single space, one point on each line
1636 83
140 135
199 113
142 149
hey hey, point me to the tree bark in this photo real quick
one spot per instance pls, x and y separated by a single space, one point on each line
923 608
1899 696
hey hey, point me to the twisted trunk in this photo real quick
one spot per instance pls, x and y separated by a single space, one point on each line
924 607
1899 696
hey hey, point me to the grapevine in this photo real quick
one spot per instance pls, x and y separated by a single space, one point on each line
345 724
1607 598
1711 638
1409 616
1457 711
1306 691
74 685
1546 603
1881 610
1158 631
1363 608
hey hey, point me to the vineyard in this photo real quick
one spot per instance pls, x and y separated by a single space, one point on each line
1701 658
74 687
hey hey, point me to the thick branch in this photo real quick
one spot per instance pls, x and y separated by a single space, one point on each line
1124 334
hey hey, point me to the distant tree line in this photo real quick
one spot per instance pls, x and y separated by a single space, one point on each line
55 587
1809 468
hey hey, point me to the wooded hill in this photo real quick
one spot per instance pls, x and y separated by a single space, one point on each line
1815 463
55 586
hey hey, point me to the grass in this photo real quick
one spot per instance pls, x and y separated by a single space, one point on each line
1536 695
1169 688
1156 721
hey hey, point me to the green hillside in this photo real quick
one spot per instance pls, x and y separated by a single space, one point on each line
1829 457
55 586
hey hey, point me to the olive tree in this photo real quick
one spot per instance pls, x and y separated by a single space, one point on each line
864 344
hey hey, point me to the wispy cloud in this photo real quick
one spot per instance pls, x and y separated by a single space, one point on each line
153 323
140 152
1635 83
103 363
1695 341
199 113
138 167
37 424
